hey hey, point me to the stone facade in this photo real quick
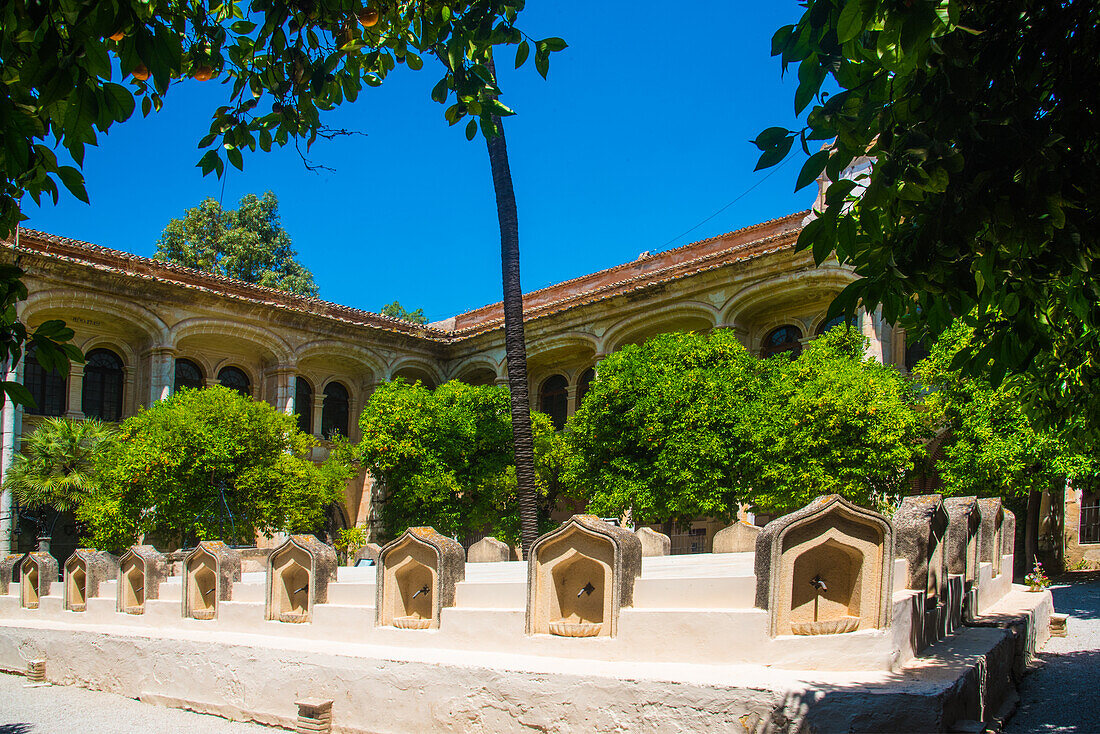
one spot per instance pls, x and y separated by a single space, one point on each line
322 361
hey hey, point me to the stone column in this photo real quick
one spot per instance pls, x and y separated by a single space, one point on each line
9 433
76 391
162 373
283 399
571 396
318 407
871 324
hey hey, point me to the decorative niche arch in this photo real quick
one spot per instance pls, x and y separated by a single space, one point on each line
85 570
992 540
825 569
298 574
417 574
579 577
141 570
209 571
38 572
920 524
963 536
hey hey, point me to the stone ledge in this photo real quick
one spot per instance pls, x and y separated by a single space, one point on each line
247 677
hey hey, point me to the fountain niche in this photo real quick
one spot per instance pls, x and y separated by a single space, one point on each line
580 576
37 574
85 570
417 574
991 543
209 571
140 573
298 574
825 569
920 525
963 536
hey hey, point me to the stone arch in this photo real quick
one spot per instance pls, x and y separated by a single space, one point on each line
747 307
683 316
417 574
348 351
278 347
120 347
476 371
249 372
413 369
154 328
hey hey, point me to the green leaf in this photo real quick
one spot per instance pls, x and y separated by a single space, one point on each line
74 182
413 61
440 90
851 21
19 394
554 44
471 129
773 155
811 169
522 52
770 137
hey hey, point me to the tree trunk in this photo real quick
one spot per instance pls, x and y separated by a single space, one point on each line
515 346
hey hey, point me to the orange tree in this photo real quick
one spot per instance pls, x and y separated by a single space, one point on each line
283 65
984 198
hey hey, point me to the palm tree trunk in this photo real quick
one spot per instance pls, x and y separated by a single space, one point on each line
515 346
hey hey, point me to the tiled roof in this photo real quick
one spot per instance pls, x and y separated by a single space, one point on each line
662 267
645 272
103 258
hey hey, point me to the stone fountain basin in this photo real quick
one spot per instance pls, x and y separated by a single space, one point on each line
203 613
826 626
294 617
412 623
575 629
134 610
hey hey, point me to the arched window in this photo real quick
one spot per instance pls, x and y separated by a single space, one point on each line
101 396
335 410
914 353
825 326
584 383
47 388
303 404
188 374
783 339
235 379
554 400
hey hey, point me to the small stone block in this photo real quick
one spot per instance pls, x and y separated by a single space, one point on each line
653 543
1059 625
737 538
488 550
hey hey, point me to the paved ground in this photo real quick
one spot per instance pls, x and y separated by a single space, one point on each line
66 709
1063 693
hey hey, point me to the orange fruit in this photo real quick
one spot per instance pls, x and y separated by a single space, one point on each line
117 35
140 72
367 17
203 73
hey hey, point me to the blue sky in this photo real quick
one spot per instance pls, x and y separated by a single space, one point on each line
640 133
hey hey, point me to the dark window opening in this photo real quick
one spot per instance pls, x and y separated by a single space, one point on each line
335 410
235 379
914 353
832 323
554 400
584 383
783 339
47 388
101 396
188 375
303 404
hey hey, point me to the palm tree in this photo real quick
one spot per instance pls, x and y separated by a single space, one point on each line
56 468
515 345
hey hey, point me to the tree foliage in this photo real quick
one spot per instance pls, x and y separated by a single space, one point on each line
248 244
690 425
57 467
983 200
992 447
396 311
445 458
183 467
839 422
